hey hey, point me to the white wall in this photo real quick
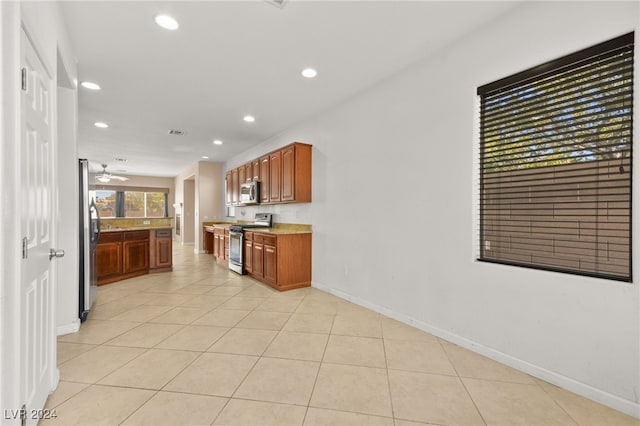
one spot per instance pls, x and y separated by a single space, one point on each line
205 203
382 237
67 320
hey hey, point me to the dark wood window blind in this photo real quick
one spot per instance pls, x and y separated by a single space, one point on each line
556 164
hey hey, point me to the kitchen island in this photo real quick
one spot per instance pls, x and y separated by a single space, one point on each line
129 252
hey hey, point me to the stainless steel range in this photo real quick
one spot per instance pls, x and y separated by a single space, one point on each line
236 240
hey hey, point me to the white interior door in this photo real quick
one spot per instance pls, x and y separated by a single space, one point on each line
37 165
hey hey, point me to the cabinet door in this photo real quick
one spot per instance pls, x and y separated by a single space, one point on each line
248 256
235 187
108 260
255 167
208 240
270 264
258 261
216 248
248 172
241 175
228 184
264 179
163 252
225 241
288 174
275 173
136 256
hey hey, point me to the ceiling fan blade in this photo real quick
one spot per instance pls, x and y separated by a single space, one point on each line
104 178
122 178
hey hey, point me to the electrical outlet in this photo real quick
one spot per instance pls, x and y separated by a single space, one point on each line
146 222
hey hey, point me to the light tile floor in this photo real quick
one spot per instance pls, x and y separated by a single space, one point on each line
202 345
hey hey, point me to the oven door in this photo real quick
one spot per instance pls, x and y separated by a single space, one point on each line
235 252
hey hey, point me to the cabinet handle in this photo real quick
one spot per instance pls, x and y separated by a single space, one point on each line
270 250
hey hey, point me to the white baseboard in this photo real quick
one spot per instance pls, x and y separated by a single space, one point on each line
56 379
628 407
61 330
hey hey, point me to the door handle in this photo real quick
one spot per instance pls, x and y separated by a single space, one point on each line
55 253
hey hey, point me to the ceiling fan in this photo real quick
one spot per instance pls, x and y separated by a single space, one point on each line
105 176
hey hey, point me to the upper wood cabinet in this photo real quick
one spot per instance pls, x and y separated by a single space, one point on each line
264 179
295 173
275 176
228 184
235 187
241 178
287 192
255 167
248 172
284 176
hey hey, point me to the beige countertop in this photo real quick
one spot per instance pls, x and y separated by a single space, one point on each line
279 231
136 228
219 225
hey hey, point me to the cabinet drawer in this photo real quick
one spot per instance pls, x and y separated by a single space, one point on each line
136 235
265 239
110 237
248 236
163 233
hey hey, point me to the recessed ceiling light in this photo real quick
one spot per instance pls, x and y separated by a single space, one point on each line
205 157
249 119
167 22
309 73
217 142
89 85
101 124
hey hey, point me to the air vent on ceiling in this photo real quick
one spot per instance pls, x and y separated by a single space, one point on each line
277 3
176 132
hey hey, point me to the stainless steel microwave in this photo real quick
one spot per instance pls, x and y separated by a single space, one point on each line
250 193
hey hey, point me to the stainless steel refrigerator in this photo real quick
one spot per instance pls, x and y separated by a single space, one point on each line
89 236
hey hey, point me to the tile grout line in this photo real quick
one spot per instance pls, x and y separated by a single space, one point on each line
386 369
556 401
315 382
259 357
464 385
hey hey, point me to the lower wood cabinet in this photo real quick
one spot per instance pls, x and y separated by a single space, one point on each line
282 260
248 253
258 260
207 239
161 250
136 256
109 257
127 254
270 264
216 241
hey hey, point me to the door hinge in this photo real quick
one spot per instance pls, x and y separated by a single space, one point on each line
24 78
23 415
25 247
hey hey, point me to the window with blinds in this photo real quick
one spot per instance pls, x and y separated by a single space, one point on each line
555 164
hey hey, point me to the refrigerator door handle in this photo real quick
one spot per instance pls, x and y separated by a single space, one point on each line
95 234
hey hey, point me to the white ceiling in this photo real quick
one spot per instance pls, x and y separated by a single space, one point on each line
232 58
